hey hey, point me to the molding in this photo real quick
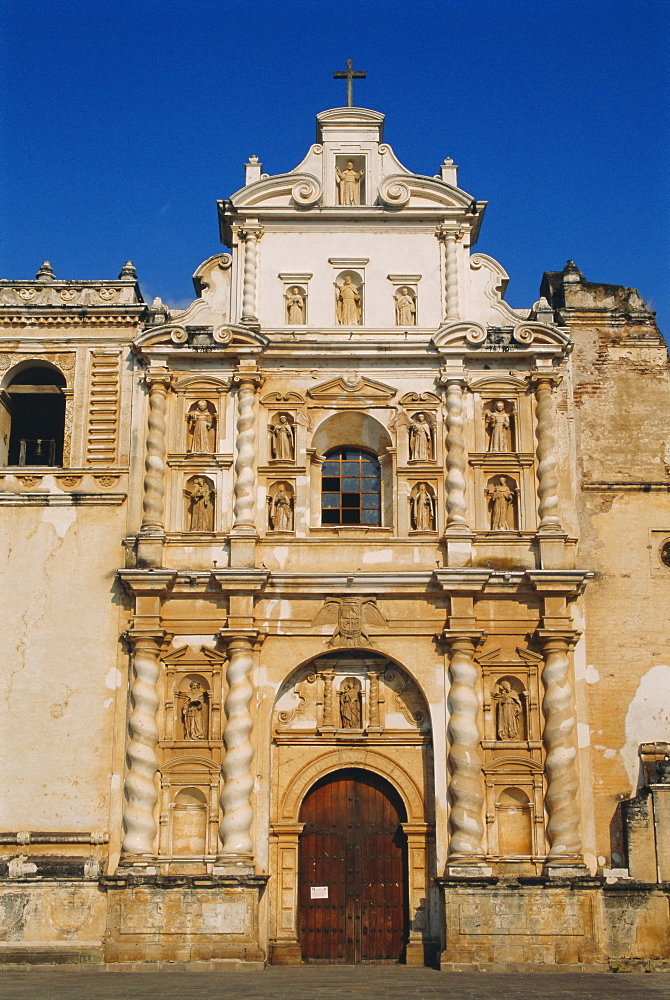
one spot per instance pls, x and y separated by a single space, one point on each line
615 486
62 499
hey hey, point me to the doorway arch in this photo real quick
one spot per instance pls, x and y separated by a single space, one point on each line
352 870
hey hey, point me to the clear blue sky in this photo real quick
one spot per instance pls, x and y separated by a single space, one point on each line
124 120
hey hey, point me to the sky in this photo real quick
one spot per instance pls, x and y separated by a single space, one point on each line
123 121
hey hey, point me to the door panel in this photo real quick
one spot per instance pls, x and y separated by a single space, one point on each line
353 844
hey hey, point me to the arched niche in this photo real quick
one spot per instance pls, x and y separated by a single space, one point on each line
189 823
32 415
514 816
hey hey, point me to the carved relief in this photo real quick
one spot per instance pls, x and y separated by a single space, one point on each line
280 507
201 421
405 307
300 700
282 438
352 617
199 504
501 494
408 698
421 443
350 703
422 507
194 713
498 418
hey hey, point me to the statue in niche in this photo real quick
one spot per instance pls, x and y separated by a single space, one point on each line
350 704
193 713
423 509
201 506
420 439
281 513
283 440
509 712
501 501
201 426
498 425
295 307
349 184
405 308
349 304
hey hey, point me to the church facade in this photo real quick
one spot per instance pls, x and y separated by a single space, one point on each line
335 605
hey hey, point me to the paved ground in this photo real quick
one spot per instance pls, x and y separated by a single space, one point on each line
342 983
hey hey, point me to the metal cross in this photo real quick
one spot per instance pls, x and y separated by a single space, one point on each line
349 76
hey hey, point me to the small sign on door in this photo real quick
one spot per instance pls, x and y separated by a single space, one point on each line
318 892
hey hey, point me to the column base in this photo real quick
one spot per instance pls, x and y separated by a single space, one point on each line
234 864
285 953
458 547
150 550
468 869
566 868
552 549
243 551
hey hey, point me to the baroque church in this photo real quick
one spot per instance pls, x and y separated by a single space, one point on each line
335 604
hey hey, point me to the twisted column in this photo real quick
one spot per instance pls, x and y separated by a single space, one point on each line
251 238
466 786
373 708
140 784
153 501
245 472
238 781
547 488
560 748
451 276
328 676
456 503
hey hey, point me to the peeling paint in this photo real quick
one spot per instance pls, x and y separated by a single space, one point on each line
113 679
648 717
583 735
60 518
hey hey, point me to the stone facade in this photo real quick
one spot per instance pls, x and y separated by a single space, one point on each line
349 512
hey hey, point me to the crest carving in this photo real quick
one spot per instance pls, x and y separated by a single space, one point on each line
352 616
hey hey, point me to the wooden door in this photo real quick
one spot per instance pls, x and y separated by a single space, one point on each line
352 846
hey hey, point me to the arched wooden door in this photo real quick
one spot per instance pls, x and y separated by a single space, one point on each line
352 865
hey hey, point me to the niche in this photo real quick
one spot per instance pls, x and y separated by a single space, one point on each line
421 437
349 298
193 707
405 306
199 502
514 814
502 495
351 179
280 507
189 822
295 298
422 507
282 437
499 419
510 701
201 427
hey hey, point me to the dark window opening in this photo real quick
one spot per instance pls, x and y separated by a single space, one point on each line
36 409
351 488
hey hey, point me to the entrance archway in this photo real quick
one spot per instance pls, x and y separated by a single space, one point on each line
352 870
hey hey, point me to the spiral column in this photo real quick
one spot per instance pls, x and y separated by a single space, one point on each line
547 488
245 471
140 785
466 784
456 464
153 500
450 276
251 238
561 749
238 780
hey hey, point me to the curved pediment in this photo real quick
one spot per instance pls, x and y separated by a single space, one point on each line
200 338
280 191
351 390
524 336
416 191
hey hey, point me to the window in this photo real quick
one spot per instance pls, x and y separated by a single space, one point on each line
351 488
36 410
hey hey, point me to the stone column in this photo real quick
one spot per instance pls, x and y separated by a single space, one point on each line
456 464
238 780
546 471
152 530
328 677
244 509
450 276
466 784
559 737
140 784
373 707
251 238
67 429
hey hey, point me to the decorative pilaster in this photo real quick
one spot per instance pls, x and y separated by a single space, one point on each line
373 707
560 745
456 465
328 676
152 531
244 523
466 785
140 785
251 238
546 471
238 780
450 275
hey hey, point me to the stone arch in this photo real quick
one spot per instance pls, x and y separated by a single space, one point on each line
367 760
353 428
32 362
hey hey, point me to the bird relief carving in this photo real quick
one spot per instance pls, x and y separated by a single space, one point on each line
352 617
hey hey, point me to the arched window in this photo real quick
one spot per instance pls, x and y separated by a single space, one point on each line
36 413
351 487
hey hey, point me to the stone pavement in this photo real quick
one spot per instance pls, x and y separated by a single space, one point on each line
390 982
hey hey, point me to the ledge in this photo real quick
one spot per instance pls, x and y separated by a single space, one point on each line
29 499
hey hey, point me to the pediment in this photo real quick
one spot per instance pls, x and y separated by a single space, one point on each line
518 337
499 383
280 191
200 338
204 383
420 399
352 389
190 656
190 764
288 398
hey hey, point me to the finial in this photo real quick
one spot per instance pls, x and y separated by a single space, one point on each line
46 272
128 272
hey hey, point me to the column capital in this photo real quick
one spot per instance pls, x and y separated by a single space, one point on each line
254 637
253 232
157 635
447 378
250 377
473 636
540 378
158 376
445 231
566 637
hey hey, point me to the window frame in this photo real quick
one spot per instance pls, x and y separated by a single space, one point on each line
343 456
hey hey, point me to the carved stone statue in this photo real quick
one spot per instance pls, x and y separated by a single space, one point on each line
405 308
498 426
349 304
350 704
201 426
201 506
420 439
501 500
281 513
283 441
295 307
509 712
423 509
349 184
192 713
